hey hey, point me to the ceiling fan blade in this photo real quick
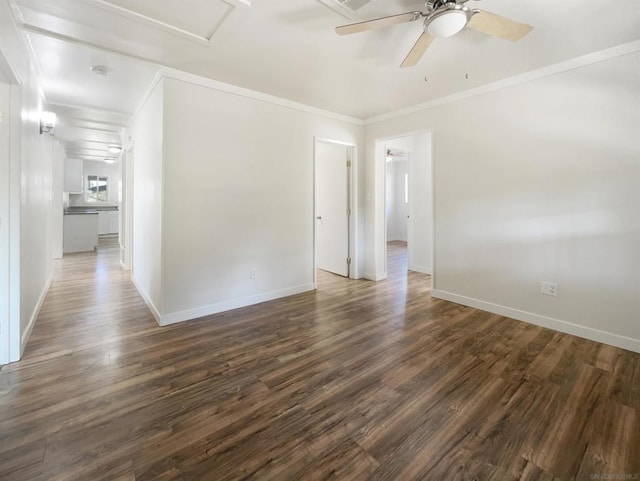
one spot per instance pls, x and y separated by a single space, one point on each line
378 23
418 50
498 26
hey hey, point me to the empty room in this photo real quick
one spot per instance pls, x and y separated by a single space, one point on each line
319 239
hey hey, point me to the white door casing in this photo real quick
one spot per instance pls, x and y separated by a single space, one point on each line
126 210
5 136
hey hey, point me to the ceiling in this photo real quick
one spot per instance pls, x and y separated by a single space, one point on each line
288 48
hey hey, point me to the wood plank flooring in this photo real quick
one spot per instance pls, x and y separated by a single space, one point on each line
356 381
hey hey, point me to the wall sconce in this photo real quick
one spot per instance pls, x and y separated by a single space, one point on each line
47 121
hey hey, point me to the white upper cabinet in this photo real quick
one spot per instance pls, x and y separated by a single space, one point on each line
73 176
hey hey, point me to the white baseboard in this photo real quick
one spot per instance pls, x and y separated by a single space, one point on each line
590 333
34 316
145 296
422 269
375 277
197 312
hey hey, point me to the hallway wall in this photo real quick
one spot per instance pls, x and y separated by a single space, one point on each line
35 208
224 184
146 131
30 188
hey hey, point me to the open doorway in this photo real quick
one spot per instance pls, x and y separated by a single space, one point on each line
334 212
397 207
404 209
397 202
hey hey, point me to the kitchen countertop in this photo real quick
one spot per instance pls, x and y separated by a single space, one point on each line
80 209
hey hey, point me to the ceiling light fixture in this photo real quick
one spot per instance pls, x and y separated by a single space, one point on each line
114 149
110 161
449 22
47 121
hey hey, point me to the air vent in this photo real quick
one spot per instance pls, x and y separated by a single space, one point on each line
352 9
353 5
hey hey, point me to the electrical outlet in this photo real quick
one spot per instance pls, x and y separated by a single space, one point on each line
254 273
549 288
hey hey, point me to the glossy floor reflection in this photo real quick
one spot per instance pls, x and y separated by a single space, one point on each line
357 380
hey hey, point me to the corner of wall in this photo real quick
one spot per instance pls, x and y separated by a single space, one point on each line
24 338
145 297
585 332
190 314
163 174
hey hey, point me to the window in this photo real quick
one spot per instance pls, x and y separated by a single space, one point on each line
406 188
97 189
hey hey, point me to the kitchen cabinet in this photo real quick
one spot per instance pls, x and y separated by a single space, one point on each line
80 232
108 222
103 223
73 176
114 222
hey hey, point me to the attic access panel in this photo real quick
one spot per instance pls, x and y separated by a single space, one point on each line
199 18
350 9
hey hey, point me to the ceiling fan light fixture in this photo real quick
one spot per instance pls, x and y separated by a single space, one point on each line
447 23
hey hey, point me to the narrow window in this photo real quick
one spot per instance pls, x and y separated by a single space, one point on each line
406 188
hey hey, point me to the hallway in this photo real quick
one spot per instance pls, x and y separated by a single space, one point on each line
357 380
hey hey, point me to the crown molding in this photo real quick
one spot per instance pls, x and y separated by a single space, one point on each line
171 73
572 64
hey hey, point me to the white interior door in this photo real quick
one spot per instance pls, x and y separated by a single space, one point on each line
332 207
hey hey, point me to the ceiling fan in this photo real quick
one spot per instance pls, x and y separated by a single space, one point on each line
443 19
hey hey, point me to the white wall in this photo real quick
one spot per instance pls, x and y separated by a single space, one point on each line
147 265
30 187
58 203
35 208
397 208
421 205
538 181
238 193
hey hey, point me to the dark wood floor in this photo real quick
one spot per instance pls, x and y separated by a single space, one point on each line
356 381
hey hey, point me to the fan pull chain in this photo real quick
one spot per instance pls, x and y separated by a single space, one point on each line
466 35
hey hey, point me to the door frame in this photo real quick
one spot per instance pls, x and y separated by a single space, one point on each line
380 198
10 191
352 196
126 209
5 235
